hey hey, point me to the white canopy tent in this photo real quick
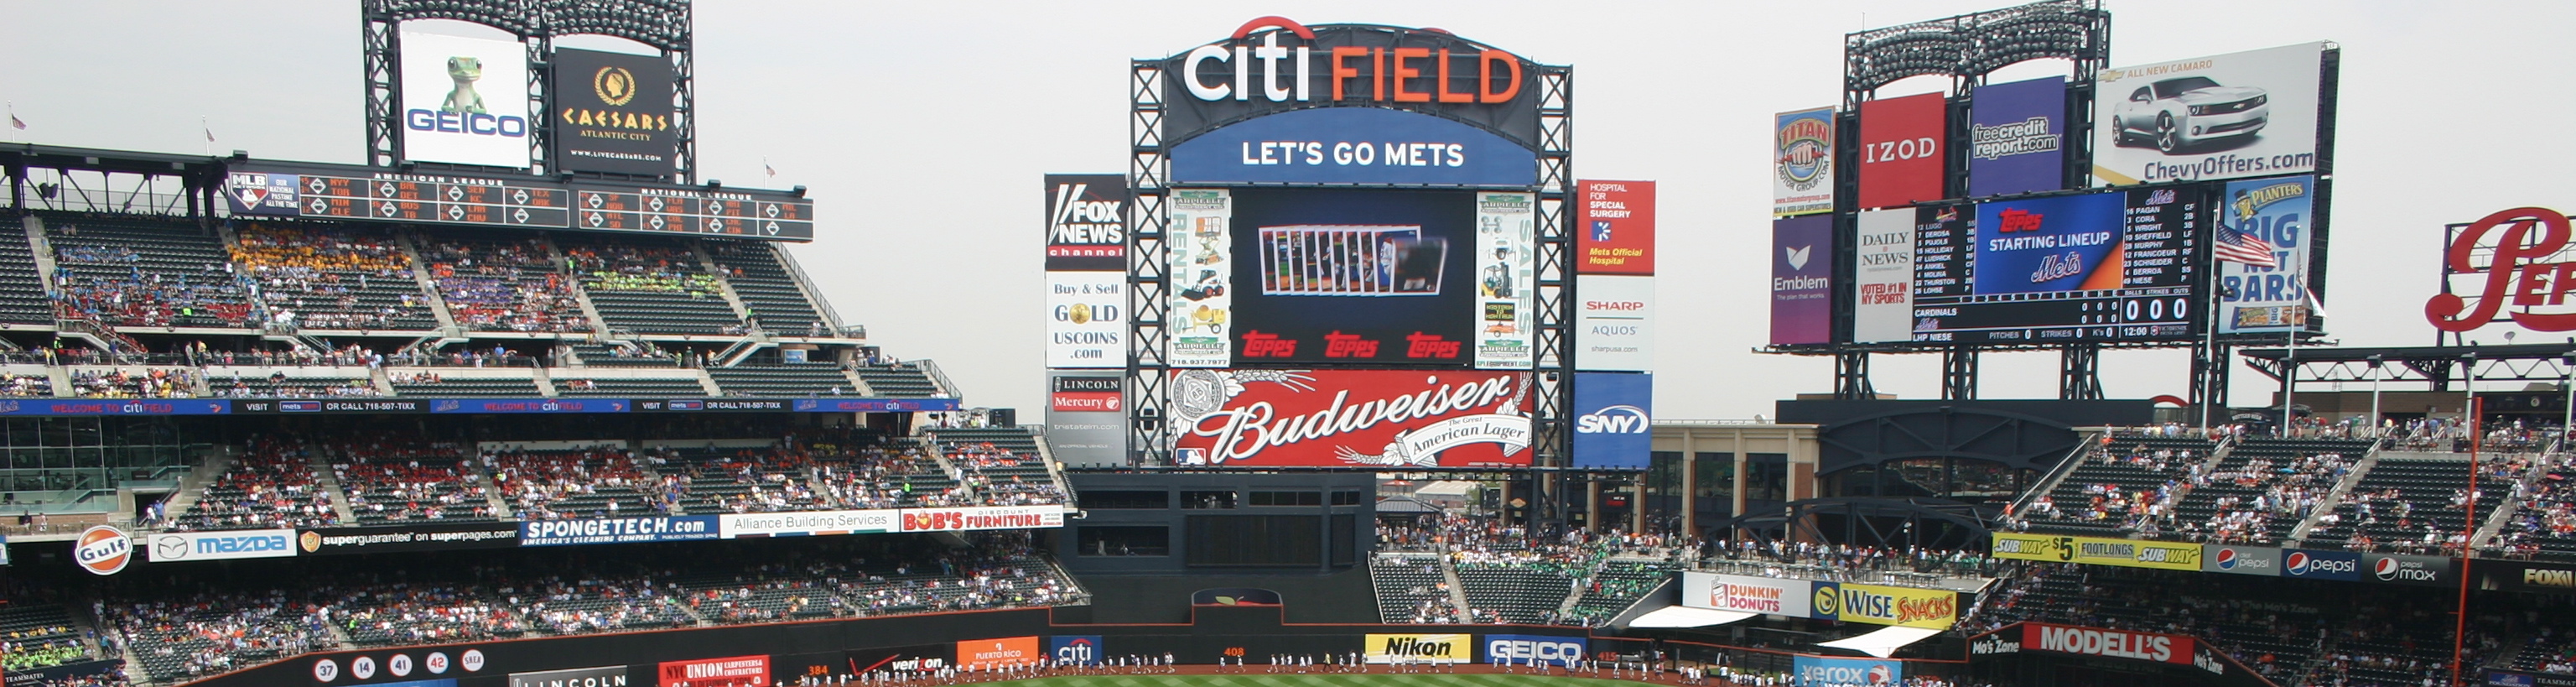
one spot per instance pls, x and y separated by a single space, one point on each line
1883 642
1684 616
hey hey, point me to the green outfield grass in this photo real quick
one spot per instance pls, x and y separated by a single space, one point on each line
1258 679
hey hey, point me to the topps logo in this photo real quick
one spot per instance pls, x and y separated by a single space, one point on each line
2019 220
1340 345
1420 345
1259 345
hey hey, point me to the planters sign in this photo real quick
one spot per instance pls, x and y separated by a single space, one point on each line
1274 64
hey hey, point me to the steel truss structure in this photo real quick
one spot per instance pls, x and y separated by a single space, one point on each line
2435 366
1150 437
664 25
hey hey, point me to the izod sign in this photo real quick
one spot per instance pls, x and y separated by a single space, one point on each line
1274 64
2527 278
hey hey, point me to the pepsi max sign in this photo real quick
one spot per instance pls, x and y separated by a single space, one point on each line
2413 570
2241 560
2323 565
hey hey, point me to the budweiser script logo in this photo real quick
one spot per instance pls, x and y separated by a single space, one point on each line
1241 432
2520 271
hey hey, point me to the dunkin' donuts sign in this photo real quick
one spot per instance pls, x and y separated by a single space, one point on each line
1346 418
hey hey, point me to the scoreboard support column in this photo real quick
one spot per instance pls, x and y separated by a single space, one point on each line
1959 373
2079 376
1851 376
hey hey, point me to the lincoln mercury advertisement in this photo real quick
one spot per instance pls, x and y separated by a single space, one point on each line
1352 418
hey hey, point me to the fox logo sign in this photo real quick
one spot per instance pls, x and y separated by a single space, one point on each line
1618 419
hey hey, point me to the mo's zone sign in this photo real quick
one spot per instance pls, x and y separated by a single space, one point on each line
1274 64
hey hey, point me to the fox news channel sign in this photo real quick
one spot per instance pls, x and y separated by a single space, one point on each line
1613 424
2246 114
464 100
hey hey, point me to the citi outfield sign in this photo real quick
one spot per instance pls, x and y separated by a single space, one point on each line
1275 64
2524 272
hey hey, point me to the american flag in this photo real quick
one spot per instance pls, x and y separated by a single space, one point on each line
2240 247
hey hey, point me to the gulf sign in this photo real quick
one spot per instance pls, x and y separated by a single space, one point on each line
1763 595
979 518
2102 643
1352 418
1901 156
103 550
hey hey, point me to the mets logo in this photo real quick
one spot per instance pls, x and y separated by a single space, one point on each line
1806 151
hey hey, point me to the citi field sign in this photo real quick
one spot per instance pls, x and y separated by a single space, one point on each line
1276 64
2514 263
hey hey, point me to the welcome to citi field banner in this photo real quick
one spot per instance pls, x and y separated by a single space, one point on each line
1352 418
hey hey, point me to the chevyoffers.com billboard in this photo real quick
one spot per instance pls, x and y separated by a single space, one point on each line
464 100
2244 114
1346 418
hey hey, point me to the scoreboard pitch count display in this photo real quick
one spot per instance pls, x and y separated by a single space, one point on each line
2119 266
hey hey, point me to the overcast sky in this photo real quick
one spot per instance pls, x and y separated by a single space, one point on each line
923 129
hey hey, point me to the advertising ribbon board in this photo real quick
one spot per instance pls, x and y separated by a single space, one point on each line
979 518
411 538
173 547
618 530
1346 418
736 525
2129 553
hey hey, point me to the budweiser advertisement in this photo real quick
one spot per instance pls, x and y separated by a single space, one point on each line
1352 418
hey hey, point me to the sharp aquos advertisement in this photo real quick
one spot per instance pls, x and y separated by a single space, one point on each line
2230 116
464 100
1351 418
612 113
1614 316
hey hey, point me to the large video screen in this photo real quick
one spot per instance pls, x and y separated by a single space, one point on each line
1378 277
2103 267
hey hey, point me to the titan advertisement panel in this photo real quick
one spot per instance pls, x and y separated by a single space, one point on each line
603 676
1901 151
2256 299
1353 145
969 518
1346 418
1802 162
1613 419
618 530
2016 137
740 671
173 547
1618 234
1874 604
2102 643
1614 322
1416 648
1201 317
2110 266
2230 116
1506 280
805 523
1343 276
1086 320
464 100
1086 420
612 113
410 538
1086 223
1819 671
2321 565
1883 277
2240 560
992 654
1079 650
1802 285
1533 650
1273 64
2130 553
1765 595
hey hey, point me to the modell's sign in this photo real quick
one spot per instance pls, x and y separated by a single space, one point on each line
1274 64
2090 641
1347 418
2513 263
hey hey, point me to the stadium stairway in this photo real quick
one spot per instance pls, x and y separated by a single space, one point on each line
429 289
2502 514
193 486
330 481
1457 589
2360 467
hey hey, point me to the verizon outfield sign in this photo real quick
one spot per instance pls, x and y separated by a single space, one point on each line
1343 418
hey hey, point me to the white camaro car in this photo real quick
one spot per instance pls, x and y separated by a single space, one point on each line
2176 113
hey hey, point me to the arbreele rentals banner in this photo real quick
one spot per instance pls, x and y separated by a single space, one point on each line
1506 280
2130 553
1347 418
1201 315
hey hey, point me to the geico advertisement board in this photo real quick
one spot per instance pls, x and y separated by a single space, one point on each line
1347 418
464 100
172 547
1819 671
2230 116
1086 319
1614 419
2129 553
1934 609
1531 650
1614 317
2092 641
1763 595
1275 64
1416 648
